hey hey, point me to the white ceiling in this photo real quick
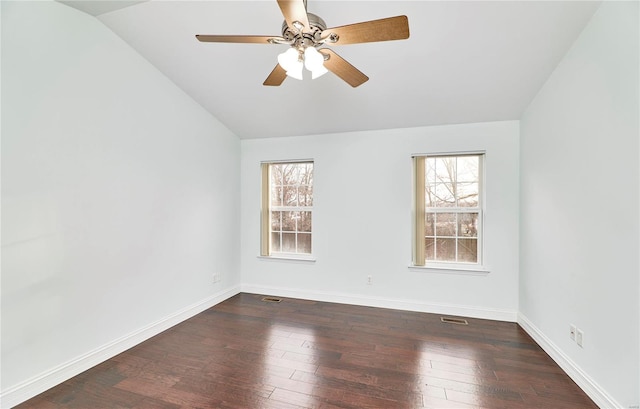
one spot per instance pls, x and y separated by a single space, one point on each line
97 7
464 62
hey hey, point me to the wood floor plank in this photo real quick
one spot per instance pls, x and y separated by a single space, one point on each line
246 353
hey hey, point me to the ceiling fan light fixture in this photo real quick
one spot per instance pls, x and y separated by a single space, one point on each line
314 62
290 61
296 72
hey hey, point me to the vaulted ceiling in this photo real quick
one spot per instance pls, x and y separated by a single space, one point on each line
464 62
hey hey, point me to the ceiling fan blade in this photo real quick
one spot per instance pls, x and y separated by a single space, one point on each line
339 66
386 29
294 10
205 38
276 77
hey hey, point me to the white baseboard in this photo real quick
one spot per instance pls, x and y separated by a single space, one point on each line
584 381
368 301
23 391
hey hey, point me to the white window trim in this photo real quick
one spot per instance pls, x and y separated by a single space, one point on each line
280 256
294 258
452 268
478 268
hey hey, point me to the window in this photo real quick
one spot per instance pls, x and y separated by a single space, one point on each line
448 215
287 207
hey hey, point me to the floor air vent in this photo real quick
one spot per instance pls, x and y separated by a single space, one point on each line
449 320
271 299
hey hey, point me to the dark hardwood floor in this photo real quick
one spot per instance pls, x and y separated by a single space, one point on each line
246 353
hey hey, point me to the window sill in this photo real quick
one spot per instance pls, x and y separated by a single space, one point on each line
287 258
461 269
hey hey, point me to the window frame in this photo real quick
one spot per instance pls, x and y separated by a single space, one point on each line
267 208
419 260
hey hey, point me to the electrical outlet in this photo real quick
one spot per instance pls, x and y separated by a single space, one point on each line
572 332
369 280
579 337
216 277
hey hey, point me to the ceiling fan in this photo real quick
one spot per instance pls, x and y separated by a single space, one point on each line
305 33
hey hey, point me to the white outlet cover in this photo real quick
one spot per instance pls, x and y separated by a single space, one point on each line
579 337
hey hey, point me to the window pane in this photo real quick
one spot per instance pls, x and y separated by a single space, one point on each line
467 194
430 170
305 195
290 195
297 173
275 221
467 169
276 195
304 243
304 224
429 224
288 242
276 174
468 224
429 249
445 249
289 173
275 242
443 195
306 174
289 220
445 224
468 250
430 196
445 169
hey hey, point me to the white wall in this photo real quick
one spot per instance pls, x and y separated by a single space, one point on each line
120 199
120 196
362 221
579 201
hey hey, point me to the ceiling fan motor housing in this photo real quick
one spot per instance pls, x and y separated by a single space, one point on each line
300 39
